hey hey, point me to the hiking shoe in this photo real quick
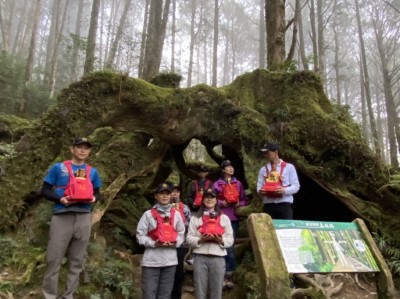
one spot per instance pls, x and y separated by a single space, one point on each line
228 283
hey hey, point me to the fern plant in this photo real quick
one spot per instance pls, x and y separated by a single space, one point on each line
114 276
390 250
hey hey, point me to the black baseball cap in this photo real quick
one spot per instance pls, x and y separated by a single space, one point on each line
203 168
225 163
80 141
175 186
163 187
209 191
269 147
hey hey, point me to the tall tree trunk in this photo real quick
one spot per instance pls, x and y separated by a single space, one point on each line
103 19
198 63
367 85
234 51
225 65
193 36
393 126
346 92
381 128
215 44
31 54
4 33
302 46
155 39
51 41
6 23
54 60
321 42
262 38
10 23
76 43
117 39
91 40
337 64
205 61
294 35
32 46
144 39
19 30
314 36
163 30
275 20
111 29
364 112
173 35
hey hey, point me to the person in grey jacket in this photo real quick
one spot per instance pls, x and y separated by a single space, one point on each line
209 249
159 259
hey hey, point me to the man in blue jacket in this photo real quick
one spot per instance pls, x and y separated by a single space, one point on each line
71 221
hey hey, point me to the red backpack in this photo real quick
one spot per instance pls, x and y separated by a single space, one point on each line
211 226
229 193
271 187
79 188
199 193
179 207
164 231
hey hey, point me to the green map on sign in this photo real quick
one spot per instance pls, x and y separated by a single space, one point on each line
316 246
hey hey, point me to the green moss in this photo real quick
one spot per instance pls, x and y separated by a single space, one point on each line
167 80
12 127
132 124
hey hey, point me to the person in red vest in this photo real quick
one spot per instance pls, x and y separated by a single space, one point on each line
277 182
181 250
231 195
161 231
74 187
197 187
209 235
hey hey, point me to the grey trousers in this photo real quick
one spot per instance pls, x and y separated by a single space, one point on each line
208 273
157 282
69 231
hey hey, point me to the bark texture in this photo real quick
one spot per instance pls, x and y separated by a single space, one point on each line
276 27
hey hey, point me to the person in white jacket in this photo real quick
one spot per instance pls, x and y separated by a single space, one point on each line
278 206
209 246
159 259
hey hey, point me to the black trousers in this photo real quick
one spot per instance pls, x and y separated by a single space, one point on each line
179 274
281 210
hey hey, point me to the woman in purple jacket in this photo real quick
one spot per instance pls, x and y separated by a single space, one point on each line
231 195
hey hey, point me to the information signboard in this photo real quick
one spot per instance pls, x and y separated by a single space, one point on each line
321 247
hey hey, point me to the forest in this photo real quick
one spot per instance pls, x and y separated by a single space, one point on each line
160 86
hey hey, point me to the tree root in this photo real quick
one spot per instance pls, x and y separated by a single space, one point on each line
319 286
358 282
6 295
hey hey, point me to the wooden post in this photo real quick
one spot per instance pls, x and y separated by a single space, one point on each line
384 281
274 277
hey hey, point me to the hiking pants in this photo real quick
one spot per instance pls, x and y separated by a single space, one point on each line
68 232
157 282
282 210
179 273
230 251
208 273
